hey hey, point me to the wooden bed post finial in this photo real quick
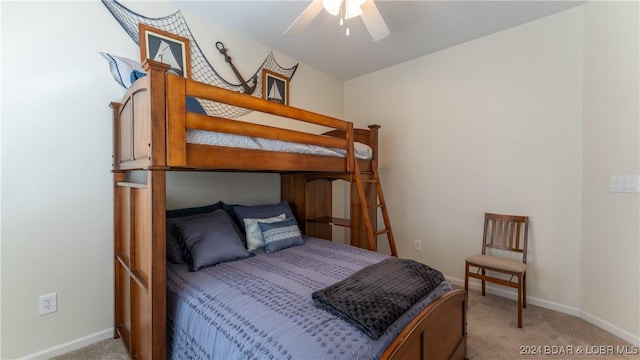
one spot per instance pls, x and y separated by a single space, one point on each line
152 65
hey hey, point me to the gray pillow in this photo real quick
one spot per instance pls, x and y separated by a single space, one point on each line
262 211
211 240
280 235
176 253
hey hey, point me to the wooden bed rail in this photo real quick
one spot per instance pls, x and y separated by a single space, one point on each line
214 93
179 119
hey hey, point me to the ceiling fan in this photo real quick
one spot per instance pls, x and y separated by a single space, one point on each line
347 9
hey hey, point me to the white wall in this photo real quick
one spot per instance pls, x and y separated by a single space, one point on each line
492 125
496 125
610 291
56 160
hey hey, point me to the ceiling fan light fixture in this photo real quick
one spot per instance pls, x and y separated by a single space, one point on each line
366 9
332 6
352 9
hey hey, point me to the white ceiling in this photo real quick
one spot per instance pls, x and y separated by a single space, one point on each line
417 28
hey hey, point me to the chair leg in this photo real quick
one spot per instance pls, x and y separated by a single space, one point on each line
520 301
466 278
483 282
524 290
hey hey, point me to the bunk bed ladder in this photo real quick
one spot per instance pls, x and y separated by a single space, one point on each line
371 235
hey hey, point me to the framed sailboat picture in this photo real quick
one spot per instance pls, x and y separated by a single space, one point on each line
275 87
165 47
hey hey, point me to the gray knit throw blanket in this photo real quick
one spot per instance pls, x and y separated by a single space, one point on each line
376 296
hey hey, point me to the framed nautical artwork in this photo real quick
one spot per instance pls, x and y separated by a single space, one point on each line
275 87
165 47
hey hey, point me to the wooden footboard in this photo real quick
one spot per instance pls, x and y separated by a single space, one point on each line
438 332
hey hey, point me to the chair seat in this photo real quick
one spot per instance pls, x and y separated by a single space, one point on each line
497 263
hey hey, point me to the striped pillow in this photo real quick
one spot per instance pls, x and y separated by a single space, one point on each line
254 237
280 235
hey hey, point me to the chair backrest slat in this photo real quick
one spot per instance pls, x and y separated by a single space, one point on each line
506 232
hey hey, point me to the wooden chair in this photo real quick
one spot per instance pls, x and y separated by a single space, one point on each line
508 233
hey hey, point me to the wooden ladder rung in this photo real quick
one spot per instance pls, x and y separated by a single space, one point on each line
383 231
371 181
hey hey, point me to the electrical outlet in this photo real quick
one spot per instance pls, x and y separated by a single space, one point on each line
417 245
48 304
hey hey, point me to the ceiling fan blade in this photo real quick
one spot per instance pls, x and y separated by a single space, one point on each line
373 21
305 17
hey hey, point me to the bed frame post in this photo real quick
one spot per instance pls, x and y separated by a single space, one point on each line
156 73
351 158
373 139
155 297
157 294
176 121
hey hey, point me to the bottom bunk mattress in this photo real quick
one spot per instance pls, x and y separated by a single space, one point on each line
261 307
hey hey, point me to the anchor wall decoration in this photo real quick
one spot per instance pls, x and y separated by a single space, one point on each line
247 89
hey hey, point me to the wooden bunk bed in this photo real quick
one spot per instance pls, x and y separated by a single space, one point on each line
150 125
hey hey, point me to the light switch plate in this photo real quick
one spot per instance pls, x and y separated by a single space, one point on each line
625 183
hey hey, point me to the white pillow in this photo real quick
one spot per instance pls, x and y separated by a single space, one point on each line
255 239
124 70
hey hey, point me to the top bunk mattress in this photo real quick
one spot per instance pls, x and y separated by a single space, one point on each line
203 137
261 307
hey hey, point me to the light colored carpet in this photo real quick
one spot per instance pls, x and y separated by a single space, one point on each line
492 335
109 349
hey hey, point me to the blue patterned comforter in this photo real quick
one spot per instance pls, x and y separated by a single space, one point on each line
261 307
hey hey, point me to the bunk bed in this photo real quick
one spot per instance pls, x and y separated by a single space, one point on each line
151 137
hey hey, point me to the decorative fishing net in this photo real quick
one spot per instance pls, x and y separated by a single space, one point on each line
201 69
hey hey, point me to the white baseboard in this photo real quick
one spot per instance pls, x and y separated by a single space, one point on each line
511 294
71 345
624 335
